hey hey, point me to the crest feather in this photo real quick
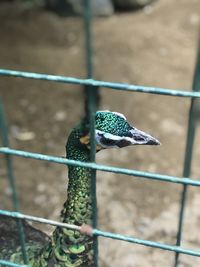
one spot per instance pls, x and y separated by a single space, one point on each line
114 112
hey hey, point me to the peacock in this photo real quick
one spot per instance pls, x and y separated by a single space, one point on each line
71 248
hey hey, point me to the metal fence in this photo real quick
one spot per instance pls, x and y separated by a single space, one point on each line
91 85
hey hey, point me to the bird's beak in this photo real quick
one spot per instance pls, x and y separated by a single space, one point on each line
133 137
141 138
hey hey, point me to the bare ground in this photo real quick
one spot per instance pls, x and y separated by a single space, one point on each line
155 47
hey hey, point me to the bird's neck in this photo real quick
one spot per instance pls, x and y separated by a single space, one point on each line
78 207
69 247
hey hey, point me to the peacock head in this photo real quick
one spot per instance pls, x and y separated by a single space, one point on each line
113 130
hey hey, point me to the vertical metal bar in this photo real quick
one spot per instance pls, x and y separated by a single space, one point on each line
11 178
186 173
91 94
88 38
194 109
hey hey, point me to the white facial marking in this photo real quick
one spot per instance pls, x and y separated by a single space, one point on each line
120 115
100 135
101 111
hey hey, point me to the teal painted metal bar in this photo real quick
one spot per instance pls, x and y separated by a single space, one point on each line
91 101
88 38
97 232
147 243
22 216
11 264
97 83
11 179
188 151
129 172
3 127
186 173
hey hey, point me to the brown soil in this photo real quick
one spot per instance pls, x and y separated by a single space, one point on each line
155 47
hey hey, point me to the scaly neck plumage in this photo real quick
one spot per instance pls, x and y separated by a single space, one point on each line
69 248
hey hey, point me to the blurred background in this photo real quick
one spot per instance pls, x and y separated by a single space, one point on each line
153 46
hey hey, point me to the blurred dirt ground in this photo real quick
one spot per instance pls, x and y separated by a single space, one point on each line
156 47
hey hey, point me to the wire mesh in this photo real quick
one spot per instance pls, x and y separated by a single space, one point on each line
155 176
91 93
188 151
97 83
11 179
96 232
91 85
12 264
99 167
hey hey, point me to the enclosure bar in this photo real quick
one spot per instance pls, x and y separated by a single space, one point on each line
186 173
97 83
91 108
88 38
129 172
20 227
11 179
188 150
11 264
3 126
22 216
147 243
97 232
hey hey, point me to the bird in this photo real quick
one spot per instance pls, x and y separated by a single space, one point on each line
66 247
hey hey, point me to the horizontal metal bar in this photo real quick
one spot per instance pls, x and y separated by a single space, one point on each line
147 243
97 232
97 83
19 215
12 264
59 160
